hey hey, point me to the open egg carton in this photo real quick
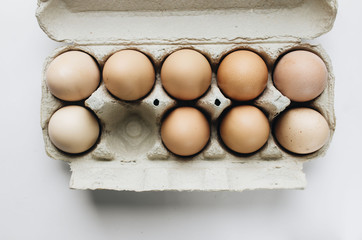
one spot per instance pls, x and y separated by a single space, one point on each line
129 154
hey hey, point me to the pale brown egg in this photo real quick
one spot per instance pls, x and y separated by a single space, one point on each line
242 75
185 131
73 129
244 129
186 74
73 76
302 130
300 75
129 75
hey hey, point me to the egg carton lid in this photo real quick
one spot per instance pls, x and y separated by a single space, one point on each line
184 21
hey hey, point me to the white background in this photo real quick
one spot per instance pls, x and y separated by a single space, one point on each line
35 202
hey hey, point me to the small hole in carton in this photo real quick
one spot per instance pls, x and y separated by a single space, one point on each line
217 102
156 102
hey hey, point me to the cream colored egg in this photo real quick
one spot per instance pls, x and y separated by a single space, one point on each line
73 76
129 75
73 129
300 75
244 129
185 131
186 74
302 130
242 75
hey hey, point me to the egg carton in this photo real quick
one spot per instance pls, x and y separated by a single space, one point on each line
129 154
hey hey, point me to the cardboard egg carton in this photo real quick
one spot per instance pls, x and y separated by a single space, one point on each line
129 154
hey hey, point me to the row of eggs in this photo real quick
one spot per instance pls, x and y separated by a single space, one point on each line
186 75
185 131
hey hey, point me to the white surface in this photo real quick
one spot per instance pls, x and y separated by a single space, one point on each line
37 204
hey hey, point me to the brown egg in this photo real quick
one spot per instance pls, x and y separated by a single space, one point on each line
73 76
185 131
244 129
186 74
73 129
242 75
302 130
300 75
129 75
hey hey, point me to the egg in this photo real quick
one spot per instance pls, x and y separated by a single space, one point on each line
186 74
244 129
300 75
129 75
185 131
73 129
242 75
72 76
302 130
